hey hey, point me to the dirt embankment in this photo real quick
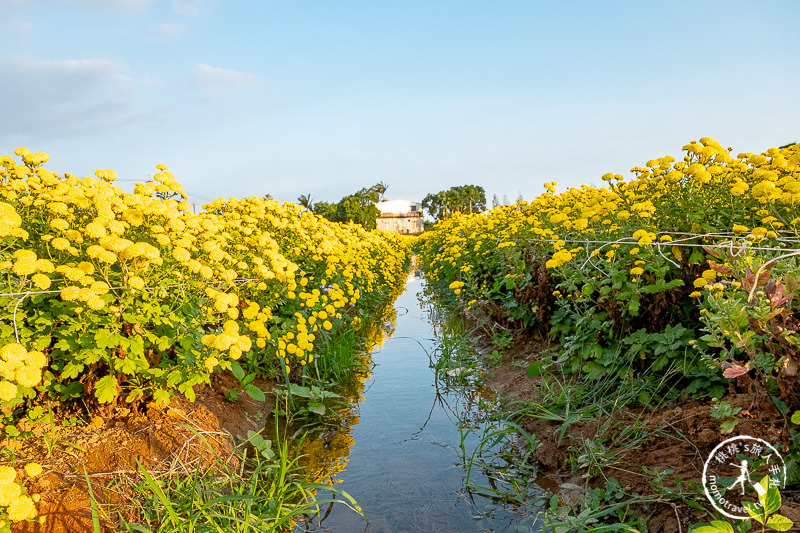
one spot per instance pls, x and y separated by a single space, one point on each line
633 445
111 449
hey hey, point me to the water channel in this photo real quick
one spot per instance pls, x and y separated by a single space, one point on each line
400 455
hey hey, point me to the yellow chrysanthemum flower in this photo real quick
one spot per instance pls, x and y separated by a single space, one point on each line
21 508
41 281
29 376
9 491
33 469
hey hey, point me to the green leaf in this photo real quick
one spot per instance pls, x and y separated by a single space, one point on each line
71 370
103 338
90 356
318 408
772 498
716 526
161 397
299 390
796 418
134 395
696 258
534 370
106 389
237 370
42 342
255 393
779 522
728 425
754 511
174 377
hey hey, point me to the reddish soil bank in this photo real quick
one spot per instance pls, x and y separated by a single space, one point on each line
110 450
678 437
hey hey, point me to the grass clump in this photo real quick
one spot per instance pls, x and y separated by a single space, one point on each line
258 486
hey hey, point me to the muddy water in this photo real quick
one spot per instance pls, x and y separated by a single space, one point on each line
400 454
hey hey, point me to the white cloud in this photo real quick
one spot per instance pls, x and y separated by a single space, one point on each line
58 98
215 78
187 8
33 66
125 5
130 5
18 27
167 31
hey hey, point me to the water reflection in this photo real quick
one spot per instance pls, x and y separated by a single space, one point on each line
401 450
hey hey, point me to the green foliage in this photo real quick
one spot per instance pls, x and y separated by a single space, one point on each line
726 414
765 512
358 207
461 199
267 493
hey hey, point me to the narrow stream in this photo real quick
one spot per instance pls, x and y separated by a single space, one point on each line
401 457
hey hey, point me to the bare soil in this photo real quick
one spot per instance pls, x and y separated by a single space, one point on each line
112 449
677 437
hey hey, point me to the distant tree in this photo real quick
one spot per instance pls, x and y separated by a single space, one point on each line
519 197
358 207
380 188
325 209
305 201
495 200
463 199
505 200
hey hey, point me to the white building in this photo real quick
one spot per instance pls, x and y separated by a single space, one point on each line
400 216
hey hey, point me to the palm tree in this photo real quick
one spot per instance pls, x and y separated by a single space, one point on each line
380 188
305 201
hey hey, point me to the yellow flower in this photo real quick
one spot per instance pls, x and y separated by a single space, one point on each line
25 263
35 359
9 219
700 282
181 254
95 230
738 228
59 224
695 294
9 491
41 281
637 271
8 391
13 353
87 267
28 376
33 469
709 275
210 363
95 302
7 474
21 508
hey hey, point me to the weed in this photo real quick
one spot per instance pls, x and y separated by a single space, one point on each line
241 493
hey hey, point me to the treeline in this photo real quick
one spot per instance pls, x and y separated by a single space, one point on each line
358 207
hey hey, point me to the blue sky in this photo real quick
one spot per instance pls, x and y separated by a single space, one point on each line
325 97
